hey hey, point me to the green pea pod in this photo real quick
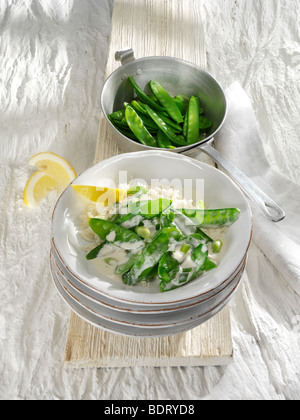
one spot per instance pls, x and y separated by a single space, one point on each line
149 259
199 257
179 276
93 254
138 107
163 141
193 124
166 101
149 209
134 193
116 234
182 103
166 265
125 267
118 115
174 126
185 123
171 231
125 130
199 238
129 220
204 123
143 97
137 126
148 122
173 137
137 190
212 218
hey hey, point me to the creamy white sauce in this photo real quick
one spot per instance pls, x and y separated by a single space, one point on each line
108 258
114 254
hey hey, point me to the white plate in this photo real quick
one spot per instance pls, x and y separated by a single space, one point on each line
220 192
147 320
134 331
133 307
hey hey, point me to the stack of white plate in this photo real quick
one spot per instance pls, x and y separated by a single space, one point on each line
138 310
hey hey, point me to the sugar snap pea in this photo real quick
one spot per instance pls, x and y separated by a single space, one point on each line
178 140
125 267
166 101
204 123
93 254
118 115
137 126
142 95
148 260
166 265
150 208
116 234
181 119
212 218
193 123
199 257
163 141
179 276
182 103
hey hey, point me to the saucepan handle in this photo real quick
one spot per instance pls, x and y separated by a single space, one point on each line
271 210
125 55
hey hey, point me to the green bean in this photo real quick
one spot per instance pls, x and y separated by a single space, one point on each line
212 218
143 97
166 101
147 262
177 140
116 234
138 128
193 124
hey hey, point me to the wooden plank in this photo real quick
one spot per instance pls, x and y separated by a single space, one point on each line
151 27
90 347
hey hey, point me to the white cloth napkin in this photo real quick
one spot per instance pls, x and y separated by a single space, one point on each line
240 141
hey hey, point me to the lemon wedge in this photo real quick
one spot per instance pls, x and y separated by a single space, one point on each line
54 173
101 195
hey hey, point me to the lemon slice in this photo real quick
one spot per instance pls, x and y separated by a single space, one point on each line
54 173
101 195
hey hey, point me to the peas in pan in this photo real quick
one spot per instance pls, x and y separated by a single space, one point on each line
162 121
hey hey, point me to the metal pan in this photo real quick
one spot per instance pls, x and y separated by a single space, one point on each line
179 77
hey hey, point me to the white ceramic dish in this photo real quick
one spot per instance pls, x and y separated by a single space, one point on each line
219 191
130 330
147 320
134 308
